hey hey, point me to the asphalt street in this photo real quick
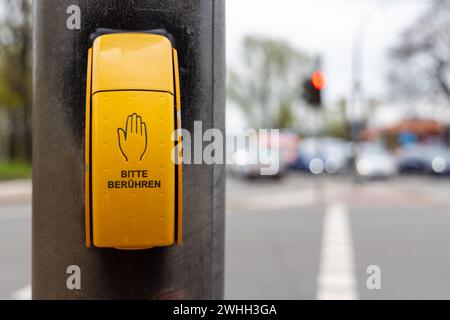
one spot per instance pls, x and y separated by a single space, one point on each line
302 237
277 245
15 248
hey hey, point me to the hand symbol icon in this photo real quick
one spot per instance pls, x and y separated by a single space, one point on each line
133 140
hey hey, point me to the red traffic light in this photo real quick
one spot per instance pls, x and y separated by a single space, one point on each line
318 80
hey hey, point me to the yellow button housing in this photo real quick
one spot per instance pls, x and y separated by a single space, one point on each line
133 187
127 61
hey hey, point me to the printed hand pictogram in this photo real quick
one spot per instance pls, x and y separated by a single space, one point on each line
133 140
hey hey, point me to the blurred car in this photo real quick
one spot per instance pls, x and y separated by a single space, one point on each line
319 155
373 160
422 158
410 159
251 163
287 143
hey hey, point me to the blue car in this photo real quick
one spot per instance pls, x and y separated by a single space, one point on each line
422 158
320 155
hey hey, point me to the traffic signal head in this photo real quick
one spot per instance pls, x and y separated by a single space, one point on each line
312 88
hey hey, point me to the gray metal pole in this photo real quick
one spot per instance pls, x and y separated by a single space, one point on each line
191 271
357 89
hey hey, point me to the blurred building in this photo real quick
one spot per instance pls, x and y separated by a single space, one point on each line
409 131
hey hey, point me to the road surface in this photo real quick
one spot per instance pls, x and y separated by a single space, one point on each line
317 238
15 239
300 238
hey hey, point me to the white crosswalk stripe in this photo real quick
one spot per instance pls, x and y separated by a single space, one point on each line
337 280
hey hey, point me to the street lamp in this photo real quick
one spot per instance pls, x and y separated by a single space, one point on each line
355 114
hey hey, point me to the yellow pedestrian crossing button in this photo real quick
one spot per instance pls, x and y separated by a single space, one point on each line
133 181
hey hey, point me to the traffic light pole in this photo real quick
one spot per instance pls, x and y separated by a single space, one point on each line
63 268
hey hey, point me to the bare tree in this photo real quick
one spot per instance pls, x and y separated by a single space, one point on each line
268 81
421 62
15 74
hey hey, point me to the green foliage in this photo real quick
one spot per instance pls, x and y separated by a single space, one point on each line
338 130
336 124
267 83
15 170
16 76
285 116
15 87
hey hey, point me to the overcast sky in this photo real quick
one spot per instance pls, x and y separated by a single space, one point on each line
327 27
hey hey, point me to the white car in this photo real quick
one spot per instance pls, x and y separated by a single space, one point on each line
373 160
265 162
